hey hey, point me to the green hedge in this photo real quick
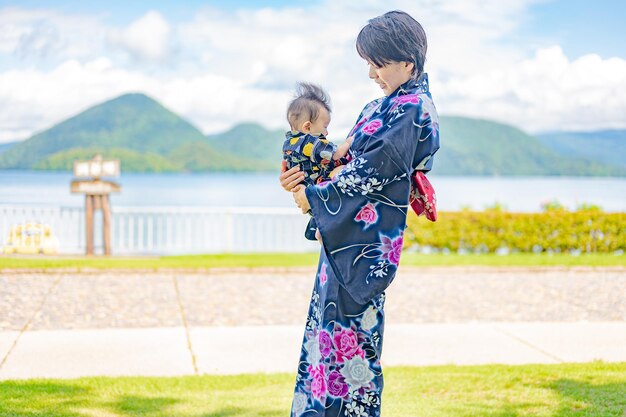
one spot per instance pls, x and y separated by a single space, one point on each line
495 230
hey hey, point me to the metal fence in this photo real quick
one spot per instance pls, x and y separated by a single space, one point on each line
171 230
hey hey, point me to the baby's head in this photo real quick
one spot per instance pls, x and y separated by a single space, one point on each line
309 111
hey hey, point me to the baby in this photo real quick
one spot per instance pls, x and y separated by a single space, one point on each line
306 145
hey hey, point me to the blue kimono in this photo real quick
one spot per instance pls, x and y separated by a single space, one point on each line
314 155
361 215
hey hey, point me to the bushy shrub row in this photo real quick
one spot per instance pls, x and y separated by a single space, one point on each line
495 230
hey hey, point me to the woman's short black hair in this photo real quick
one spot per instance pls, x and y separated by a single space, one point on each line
393 37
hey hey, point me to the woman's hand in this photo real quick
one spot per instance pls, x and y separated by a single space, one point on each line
299 196
318 236
290 178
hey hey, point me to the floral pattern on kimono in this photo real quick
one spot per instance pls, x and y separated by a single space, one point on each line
361 216
314 155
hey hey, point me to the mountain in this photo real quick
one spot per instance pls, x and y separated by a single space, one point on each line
482 147
147 137
608 146
7 145
470 147
135 128
199 156
137 161
252 141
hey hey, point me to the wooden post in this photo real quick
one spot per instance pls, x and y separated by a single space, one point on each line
96 196
89 203
106 223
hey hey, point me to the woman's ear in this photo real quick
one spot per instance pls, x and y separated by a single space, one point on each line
306 127
409 66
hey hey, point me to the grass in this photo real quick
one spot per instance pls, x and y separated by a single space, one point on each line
582 390
253 260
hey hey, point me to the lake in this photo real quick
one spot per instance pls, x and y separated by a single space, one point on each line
251 189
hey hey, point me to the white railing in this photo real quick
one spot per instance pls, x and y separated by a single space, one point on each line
171 230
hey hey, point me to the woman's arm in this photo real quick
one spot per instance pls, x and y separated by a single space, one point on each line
302 202
290 178
361 213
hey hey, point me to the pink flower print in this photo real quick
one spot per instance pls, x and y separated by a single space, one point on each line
372 127
318 380
337 386
407 98
367 214
357 126
325 343
396 251
346 343
391 249
323 274
434 129
324 183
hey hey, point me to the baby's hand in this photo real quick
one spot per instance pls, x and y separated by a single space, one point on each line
335 171
342 150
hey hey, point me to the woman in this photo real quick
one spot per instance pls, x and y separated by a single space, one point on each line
361 216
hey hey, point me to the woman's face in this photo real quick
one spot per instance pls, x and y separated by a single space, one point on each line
390 76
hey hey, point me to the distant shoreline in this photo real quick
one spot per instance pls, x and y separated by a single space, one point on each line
262 189
267 171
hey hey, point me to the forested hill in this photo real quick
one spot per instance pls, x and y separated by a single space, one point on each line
148 137
482 147
608 146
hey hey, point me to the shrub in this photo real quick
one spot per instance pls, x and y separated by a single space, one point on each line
553 230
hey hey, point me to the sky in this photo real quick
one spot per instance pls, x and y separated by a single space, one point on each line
539 65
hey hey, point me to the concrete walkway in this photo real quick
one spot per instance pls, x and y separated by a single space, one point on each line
242 349
66 325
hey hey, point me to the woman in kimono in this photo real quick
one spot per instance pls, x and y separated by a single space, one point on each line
361 216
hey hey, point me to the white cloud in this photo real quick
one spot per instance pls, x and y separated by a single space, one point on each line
197 98
40 34
146 38
223 67
37 99
546 92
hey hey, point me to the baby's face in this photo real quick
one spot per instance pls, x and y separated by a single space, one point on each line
320 125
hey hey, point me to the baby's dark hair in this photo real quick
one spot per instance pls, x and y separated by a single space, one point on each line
394 36
306 103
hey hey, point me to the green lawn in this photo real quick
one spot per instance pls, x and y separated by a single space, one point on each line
305 259
589 389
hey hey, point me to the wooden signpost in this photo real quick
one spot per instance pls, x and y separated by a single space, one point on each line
96 192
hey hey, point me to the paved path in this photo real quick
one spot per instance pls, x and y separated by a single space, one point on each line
175 323
227 350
